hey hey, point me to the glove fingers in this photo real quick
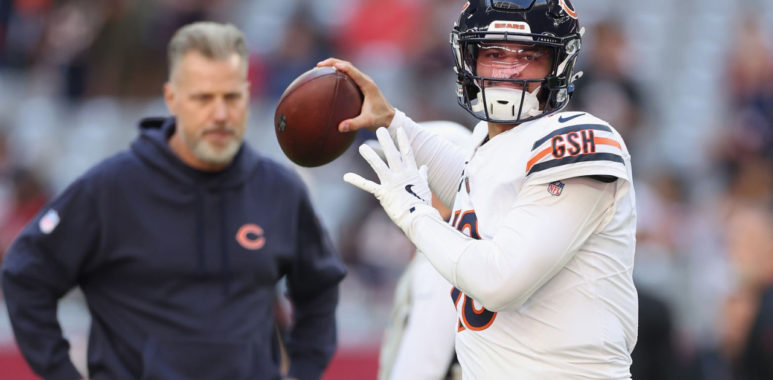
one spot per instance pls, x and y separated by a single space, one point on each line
375 161
406 151
376 148
362 183
390 151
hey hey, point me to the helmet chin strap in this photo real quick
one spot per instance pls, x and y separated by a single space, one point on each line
503 103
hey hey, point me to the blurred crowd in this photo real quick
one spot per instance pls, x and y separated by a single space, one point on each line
76 75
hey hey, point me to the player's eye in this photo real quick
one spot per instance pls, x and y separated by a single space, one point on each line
531 57
490 55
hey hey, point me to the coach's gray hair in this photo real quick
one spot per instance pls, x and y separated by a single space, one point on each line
213 40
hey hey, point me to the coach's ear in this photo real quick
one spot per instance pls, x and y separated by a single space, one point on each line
169 97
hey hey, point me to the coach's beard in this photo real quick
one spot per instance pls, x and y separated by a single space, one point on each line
215 154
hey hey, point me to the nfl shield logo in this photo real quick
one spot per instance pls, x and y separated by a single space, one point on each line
49 221
555 188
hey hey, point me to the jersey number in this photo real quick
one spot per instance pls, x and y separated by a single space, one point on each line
472 318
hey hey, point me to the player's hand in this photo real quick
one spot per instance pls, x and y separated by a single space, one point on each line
376 110
403 192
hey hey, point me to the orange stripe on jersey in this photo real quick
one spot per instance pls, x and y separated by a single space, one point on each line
537 158
605 141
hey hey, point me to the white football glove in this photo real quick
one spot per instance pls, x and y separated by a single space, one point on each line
403 192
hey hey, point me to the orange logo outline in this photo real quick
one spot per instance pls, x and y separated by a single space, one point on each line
571 12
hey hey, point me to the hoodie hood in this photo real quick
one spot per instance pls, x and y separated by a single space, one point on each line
152 146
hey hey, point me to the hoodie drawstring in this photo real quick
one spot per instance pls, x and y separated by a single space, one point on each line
226 260
200 231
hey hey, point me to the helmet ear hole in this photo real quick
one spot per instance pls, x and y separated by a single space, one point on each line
470 89
543 95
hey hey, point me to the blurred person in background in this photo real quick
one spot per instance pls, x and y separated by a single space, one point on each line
22 194
540 246
743 155
179 242
749 70
22 23
27 197
607 90
747 328
303 44
419 340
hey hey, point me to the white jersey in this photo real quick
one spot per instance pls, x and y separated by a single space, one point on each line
547 290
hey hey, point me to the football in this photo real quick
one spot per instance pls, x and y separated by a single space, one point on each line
309 111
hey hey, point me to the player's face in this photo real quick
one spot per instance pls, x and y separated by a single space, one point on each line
513 60
209 99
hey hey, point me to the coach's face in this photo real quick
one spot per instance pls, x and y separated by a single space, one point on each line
209 98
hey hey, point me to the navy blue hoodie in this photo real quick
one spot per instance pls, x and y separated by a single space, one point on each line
178 267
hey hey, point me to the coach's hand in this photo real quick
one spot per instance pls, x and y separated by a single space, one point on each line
403 192
376 110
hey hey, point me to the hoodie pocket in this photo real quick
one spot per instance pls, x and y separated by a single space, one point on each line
188 359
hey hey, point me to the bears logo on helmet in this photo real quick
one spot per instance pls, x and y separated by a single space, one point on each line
568 8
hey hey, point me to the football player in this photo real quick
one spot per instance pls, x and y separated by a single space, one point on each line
540 245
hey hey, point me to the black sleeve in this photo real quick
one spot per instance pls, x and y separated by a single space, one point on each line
654 356
40 267
313 288
757 357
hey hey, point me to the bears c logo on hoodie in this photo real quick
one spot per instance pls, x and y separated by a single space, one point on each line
250 236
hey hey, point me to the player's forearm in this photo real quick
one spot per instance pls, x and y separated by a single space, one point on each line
445 161
503 272
497 277
449 251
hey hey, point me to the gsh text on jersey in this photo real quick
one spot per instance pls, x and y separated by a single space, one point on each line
573 143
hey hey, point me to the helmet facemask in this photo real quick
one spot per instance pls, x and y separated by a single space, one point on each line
532 79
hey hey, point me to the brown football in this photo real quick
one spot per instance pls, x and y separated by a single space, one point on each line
309 111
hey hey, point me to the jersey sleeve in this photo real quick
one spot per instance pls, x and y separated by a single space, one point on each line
40 267
587 147
444 159
538 236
